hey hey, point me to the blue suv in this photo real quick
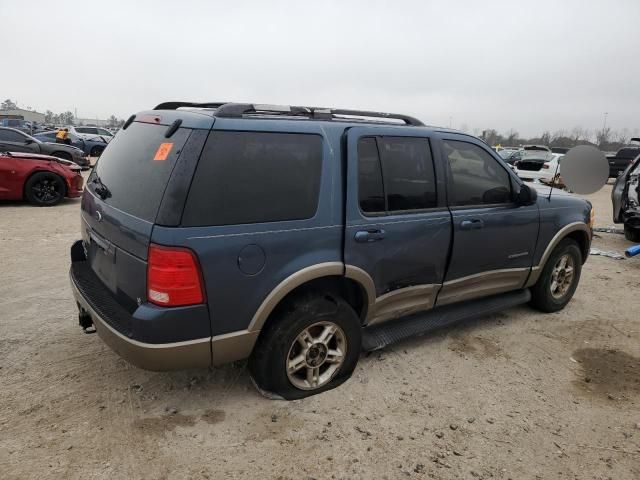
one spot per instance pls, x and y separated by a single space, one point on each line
297 237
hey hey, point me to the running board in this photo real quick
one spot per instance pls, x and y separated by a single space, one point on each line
379 336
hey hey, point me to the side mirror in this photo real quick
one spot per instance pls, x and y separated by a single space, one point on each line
526 195
28 141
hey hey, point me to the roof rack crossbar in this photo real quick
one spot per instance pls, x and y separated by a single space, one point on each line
238 110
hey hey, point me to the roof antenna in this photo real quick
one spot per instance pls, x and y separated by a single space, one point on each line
553 180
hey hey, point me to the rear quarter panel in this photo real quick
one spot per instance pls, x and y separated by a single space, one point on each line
289 246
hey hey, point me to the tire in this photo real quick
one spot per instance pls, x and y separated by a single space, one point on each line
45 189
96 151
549 297
632 234
279 345
63 155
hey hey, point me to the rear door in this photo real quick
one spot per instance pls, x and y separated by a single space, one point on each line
493 237
398 228
121 201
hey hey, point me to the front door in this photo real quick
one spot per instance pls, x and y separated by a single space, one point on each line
398 228
493 237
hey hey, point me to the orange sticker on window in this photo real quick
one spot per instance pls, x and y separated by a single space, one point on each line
163 151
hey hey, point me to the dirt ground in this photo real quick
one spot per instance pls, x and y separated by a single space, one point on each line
518 395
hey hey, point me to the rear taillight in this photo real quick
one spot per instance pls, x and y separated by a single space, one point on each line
173 277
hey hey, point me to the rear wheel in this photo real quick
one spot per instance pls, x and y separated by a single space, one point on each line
45 189
559 278
310 346
631 233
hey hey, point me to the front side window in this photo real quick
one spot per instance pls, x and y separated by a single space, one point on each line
255 177
476 177
395 174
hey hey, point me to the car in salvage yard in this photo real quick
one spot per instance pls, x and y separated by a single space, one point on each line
626 200
297 237
12 140
43 180
534 167
92 146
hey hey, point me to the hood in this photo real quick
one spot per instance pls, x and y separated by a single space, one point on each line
543 190
48 158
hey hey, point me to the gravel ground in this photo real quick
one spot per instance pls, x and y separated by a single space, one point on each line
517 395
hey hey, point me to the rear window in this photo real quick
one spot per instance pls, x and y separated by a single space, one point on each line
136 166
255 177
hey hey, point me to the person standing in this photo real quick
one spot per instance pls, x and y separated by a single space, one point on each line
62 136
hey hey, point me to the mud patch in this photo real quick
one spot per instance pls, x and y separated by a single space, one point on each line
214 416
477 346
164 423
608 374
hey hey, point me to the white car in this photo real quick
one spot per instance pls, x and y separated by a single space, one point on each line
90 132
538 167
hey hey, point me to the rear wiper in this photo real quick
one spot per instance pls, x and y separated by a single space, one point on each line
101 189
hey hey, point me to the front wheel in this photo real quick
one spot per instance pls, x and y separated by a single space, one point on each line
44 189
559 278
632 234
311 345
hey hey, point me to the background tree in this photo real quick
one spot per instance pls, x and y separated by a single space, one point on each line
8 104
48 116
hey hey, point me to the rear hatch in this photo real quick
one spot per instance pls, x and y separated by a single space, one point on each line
123 197
531 164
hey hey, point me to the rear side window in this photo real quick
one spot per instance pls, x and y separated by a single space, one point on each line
255 177
11 136
136 166
370 190
476 177
395 174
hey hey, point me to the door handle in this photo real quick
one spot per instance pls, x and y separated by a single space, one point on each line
473 224
366 236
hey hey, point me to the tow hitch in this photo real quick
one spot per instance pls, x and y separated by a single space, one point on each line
84 319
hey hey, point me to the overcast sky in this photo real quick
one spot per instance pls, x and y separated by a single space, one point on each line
532 66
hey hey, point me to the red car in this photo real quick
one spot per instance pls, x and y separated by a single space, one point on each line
41 179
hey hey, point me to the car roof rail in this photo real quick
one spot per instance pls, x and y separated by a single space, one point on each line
176 105
239 110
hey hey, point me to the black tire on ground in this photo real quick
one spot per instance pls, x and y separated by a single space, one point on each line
45 189
547 296
96 151
63 155
278 341
632 234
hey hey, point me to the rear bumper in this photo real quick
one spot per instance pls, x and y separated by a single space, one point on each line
115 326
150 356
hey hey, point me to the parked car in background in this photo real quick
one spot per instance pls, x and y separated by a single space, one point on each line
537 167
626 200
91 132
298 236
92 146
619 161
510 156
43 180
12 140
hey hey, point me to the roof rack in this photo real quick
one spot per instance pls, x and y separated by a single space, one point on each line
238 110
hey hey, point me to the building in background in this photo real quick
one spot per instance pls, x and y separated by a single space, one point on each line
27 115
